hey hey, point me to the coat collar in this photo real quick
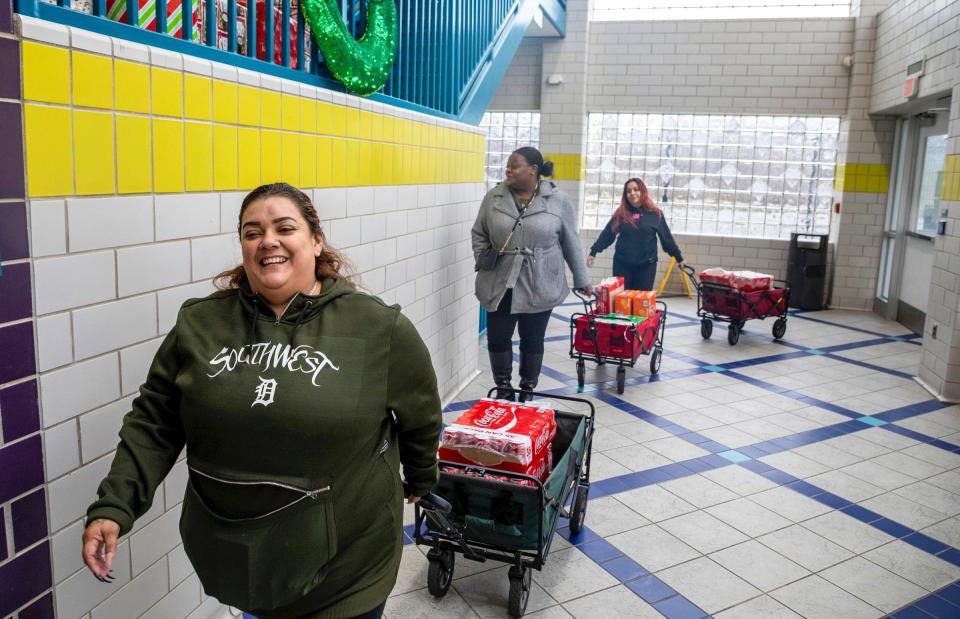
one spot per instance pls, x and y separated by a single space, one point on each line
506 204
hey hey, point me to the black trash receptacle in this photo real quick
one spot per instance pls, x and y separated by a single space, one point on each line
807 270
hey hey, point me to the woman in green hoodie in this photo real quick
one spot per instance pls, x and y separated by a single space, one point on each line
298 399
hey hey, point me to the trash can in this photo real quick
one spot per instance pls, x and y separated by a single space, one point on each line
807 270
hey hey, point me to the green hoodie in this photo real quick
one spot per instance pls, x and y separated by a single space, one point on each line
324 404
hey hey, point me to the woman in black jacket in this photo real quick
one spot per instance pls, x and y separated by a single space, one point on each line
635 225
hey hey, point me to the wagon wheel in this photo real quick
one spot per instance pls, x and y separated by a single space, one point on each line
779 328
733 334
519 590
439 572
578 511
655 358
706 328
581 373
621 378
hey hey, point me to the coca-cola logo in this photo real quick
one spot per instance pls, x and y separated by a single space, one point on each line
496 418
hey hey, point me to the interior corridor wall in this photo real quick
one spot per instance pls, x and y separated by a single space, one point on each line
137 160
770 66
905 32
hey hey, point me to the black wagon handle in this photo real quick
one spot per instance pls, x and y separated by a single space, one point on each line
586 299
692 274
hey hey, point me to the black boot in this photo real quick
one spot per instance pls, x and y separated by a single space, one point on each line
530 364
501 366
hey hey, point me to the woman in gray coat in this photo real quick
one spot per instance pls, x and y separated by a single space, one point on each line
530 225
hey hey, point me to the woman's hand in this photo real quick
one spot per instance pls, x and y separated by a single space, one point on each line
587 290
412 499
681 264
590 261
100 546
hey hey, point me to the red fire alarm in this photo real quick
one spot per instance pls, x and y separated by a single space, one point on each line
836 208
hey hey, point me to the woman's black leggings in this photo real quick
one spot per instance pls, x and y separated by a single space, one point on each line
635 276
501 325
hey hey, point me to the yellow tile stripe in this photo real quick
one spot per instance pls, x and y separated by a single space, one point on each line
176 132
862 177
950 190
566 167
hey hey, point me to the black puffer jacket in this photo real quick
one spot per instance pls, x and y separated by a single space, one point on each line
637 240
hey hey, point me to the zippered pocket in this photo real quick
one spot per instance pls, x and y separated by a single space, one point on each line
263 562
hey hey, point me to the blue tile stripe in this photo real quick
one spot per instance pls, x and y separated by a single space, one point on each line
633 575
902 338
943 603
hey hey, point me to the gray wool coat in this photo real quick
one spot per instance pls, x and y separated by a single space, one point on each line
533 260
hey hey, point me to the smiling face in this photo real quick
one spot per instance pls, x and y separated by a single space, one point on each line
279 250
634 194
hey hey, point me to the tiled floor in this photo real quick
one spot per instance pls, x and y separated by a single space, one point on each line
811 477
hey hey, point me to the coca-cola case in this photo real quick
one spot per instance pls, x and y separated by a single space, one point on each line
502 435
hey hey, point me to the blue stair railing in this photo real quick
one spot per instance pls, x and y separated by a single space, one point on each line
451 54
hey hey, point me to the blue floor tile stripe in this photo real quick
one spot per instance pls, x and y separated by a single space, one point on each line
633 575
905 338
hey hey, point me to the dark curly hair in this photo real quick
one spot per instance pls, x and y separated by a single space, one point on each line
330 262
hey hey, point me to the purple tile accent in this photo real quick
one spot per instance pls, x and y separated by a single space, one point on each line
42 608
11 151
29 517
14 287
19 410
13 233
6 16
21 464
24 578
16 352
9 68
3 538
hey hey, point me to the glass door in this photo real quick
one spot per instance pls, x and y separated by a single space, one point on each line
891 257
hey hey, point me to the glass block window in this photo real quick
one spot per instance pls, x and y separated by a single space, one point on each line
622 10
747 176
506 132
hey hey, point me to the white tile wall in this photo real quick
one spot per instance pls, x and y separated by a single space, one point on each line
99 428
330 203
178 566
70 495
110 326
154 541
520 87
764 66
54 341
134 363
137 595
71 281
97 223
906 32
211 255
81 592
150 267
65 551
179 602
170 300
61 449
186 215
230 202
110 276
48 225
78 388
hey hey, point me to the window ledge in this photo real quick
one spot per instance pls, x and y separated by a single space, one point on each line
919 235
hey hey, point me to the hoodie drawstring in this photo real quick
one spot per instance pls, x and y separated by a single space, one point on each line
300 316
253 323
